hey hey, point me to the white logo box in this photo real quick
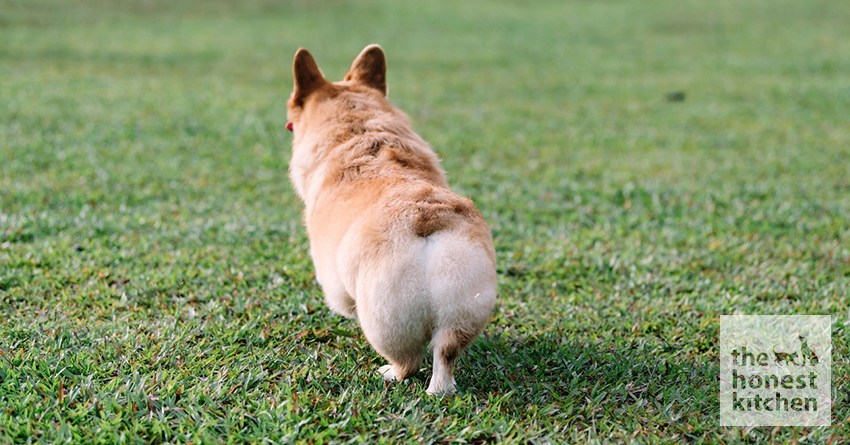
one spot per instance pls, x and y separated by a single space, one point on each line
775 370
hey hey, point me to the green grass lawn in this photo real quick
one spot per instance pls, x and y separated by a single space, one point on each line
155 280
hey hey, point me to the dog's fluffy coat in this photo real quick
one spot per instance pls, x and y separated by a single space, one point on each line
392 245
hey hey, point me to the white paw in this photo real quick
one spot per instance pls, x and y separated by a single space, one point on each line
387 373
438 389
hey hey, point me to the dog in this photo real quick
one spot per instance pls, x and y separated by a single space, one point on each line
392 245
788 358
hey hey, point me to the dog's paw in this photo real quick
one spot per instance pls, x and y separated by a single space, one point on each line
387 373
437 388
440 392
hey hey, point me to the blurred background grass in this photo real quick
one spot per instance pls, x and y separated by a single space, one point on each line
645 167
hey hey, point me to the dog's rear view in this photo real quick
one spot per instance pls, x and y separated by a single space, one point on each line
392 245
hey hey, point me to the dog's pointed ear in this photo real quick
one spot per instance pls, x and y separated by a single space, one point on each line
370 69
306 75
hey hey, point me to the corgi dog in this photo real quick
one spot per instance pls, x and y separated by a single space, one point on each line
392 245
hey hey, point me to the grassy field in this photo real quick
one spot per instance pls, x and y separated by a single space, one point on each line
155 282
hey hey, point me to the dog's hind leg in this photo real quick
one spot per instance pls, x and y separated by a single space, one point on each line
400 369
399 340
447 346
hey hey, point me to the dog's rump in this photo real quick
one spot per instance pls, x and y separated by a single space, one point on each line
436 209
422 209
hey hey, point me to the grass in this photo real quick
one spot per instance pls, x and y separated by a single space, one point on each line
155 281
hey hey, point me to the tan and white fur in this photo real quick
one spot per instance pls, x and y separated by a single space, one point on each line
392 245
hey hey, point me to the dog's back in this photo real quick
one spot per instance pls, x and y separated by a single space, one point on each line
391 243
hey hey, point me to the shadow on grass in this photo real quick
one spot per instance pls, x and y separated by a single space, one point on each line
587 381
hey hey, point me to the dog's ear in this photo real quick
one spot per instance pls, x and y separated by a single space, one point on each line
370 69
306 75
